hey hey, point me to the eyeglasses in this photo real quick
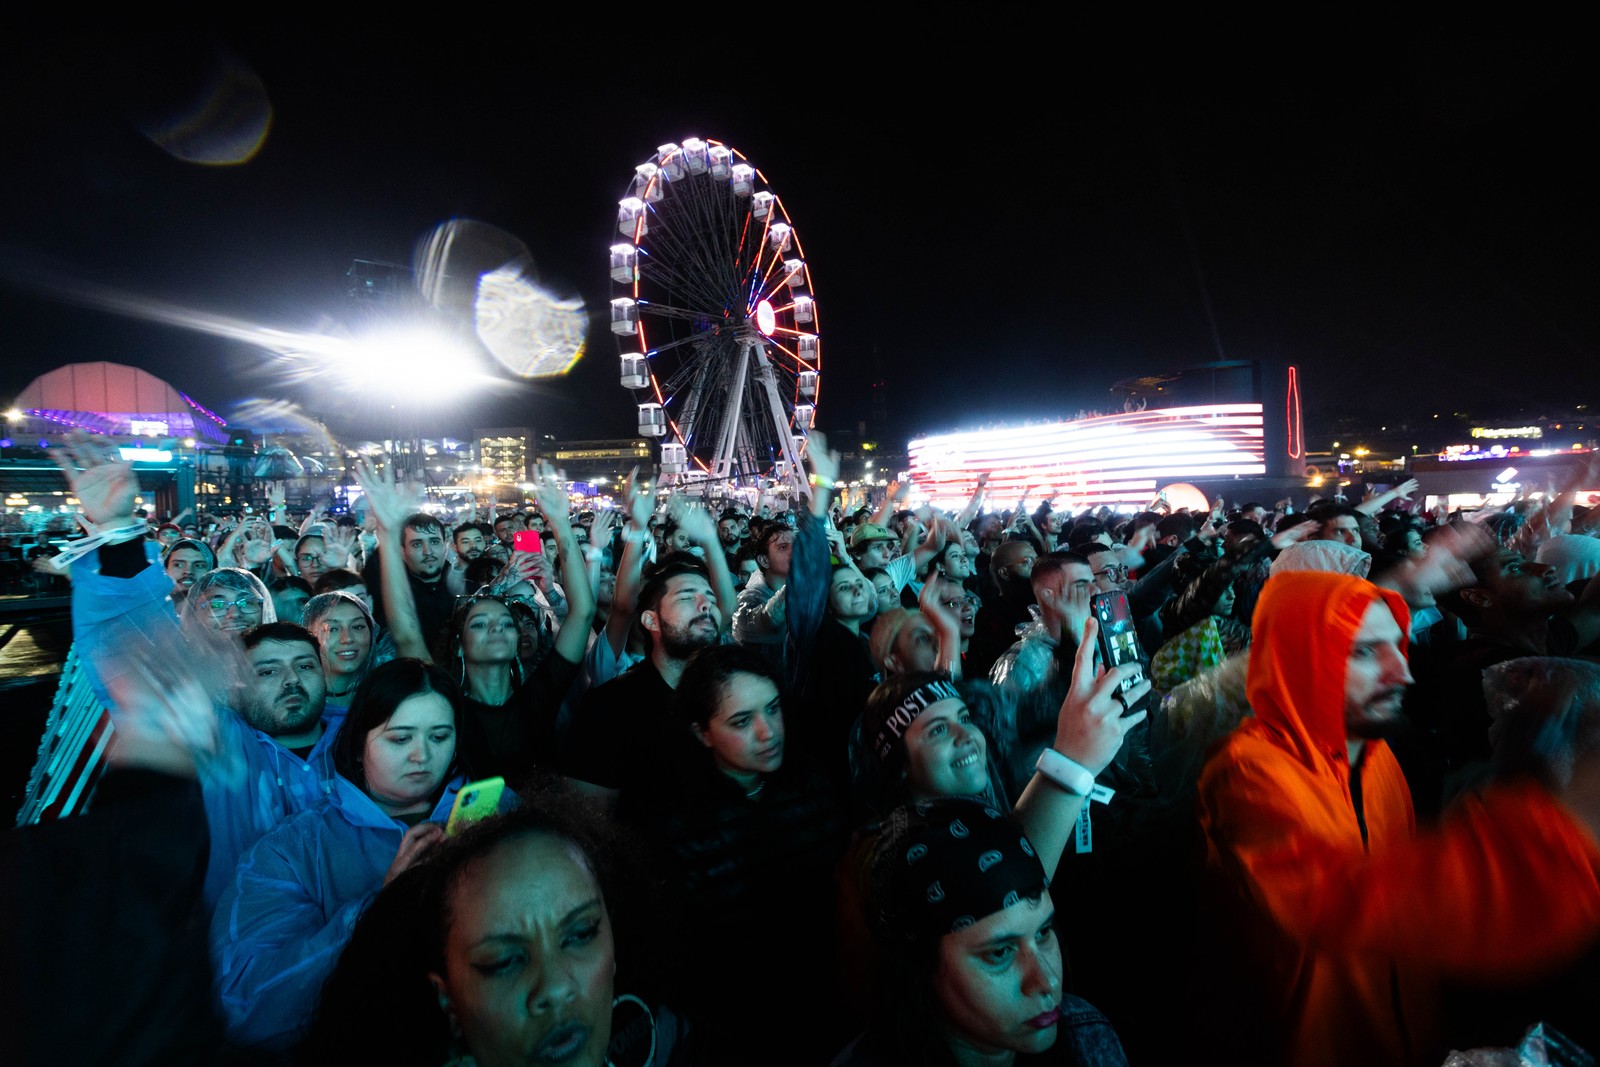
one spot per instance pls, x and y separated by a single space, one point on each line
246 605
309 558
1116 572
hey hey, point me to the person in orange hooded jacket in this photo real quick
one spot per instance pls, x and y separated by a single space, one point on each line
1351 915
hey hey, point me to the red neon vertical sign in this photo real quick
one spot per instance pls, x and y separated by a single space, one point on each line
1292 423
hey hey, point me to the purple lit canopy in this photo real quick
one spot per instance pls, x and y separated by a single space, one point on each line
113 399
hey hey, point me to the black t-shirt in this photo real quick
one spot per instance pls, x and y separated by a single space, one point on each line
831 698
435 602
622 728
728 864
513 738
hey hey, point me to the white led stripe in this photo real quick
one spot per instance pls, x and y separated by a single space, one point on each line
1113 459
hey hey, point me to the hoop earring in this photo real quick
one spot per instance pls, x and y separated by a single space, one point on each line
649 1060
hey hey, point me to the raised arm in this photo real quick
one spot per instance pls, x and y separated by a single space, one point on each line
946 626
1374 504
630 568
932 545
970 512
1089 731
824 472
550 497
390 505
702 531
892 496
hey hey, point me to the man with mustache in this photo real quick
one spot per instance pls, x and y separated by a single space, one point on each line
623 726
1349 918
185 561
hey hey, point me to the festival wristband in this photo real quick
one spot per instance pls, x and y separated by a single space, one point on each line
97 537
1072 777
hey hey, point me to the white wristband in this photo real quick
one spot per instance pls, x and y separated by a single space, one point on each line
98 536
1072 777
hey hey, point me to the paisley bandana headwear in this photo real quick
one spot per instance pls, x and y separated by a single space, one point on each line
942 865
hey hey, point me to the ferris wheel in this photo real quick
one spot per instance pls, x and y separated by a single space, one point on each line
715 319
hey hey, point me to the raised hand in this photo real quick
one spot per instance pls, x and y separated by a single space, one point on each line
257 544
696 522
550 498
1092 723
636 503
531 567
313 517
824 463
389 503
103 482
841 548
1293 535
162 713
338 544
1447 564
601 529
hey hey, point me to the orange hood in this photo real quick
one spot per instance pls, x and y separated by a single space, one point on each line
1304 625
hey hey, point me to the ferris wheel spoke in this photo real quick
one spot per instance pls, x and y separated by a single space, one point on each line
696 269
711 209
668 311
713 217
681 240
680 342
799 363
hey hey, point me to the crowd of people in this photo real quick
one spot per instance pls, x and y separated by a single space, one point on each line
806 785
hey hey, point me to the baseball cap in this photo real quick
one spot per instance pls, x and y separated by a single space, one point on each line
868 532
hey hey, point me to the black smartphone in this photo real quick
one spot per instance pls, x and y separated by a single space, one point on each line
1118 639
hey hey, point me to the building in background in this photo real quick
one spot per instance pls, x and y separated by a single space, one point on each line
505 462
594 465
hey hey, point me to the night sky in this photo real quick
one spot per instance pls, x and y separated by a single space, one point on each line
1003 228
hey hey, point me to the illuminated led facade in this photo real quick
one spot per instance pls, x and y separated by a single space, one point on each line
504 454
1120 460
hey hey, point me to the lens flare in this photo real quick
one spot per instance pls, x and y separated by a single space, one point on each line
480 273
530 332
223 118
